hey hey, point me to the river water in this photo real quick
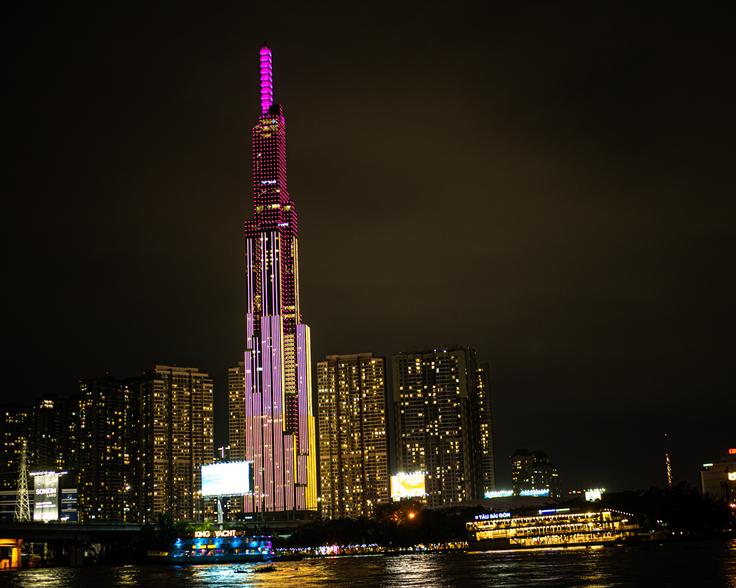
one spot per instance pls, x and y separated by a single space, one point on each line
711 563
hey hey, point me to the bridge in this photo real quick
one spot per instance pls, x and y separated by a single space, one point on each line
66 543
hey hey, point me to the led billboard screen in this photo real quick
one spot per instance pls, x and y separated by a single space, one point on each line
45 496
498 494
407 485
230 478
594 494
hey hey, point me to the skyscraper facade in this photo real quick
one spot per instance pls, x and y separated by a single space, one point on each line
532 471
443 422
177 439
353 454
235 450
15 430
108 456
236 411
51 444
279 423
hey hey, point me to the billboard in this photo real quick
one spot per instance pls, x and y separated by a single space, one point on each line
594 494
498 494
46 496
407 485
227 478
535 492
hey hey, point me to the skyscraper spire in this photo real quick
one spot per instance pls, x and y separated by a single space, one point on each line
266 80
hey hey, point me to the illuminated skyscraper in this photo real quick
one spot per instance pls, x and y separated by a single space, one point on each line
236 411
353 456
14 432
177 438
443 422
51 445
108 457
279 424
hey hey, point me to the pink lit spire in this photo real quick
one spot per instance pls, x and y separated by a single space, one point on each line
266 80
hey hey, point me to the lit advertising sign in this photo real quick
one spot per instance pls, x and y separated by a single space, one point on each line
45 496
732 476
498 494
535 492
489 516
217 533
226 479
594 494
408 485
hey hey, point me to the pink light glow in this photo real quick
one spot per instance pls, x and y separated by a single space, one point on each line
266 80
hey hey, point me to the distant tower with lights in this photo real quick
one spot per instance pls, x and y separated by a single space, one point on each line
667 462
279 423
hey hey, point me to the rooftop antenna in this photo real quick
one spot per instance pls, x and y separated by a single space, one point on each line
22 505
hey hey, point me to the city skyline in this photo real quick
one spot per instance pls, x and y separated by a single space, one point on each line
593 282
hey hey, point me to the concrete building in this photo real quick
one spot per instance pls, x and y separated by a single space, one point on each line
443 417
532 471
52 443
108 441
236 411
351 400
177 438
15 428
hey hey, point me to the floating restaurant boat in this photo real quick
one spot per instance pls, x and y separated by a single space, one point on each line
551 528
220 547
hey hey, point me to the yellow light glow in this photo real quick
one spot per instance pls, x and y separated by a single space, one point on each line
407 485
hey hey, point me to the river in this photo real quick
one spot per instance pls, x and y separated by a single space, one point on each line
711 563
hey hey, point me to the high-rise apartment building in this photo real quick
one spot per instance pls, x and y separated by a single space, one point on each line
236 411
443 421
532 471
51 444
279 423
107 437
176 420
351 401
14 431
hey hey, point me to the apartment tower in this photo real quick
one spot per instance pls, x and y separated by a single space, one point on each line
351 400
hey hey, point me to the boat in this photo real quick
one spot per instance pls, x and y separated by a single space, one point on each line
257 570
208 547
551 528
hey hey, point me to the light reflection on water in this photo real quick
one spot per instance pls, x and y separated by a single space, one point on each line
693 564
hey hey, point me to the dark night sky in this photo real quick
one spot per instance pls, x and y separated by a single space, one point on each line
549 182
